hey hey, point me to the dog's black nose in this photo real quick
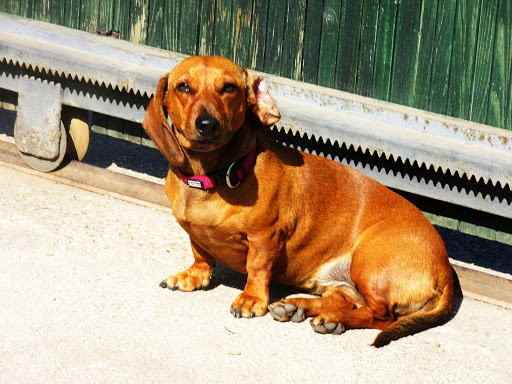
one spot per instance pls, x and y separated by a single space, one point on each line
207 125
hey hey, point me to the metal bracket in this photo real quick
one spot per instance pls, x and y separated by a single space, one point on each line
37 130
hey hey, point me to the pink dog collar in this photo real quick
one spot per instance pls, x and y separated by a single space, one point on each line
231 176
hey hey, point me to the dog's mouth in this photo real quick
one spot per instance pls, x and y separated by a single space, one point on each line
198 143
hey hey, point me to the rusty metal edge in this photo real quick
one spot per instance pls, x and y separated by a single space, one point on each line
94 179
476 283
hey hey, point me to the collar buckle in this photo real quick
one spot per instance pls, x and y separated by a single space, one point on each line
228 175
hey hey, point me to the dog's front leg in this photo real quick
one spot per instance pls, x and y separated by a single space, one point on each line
254 300
195 277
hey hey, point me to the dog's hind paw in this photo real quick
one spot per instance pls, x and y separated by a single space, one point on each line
282 311
324 327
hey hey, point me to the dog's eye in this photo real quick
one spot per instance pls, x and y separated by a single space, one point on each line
183 87
229 88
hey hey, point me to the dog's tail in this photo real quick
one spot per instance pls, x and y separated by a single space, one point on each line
419 321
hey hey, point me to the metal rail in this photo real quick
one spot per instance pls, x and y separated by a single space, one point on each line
431 155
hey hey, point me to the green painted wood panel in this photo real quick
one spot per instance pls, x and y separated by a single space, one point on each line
499 102
312 33
275 36
348 45
259 34
122 18
171 25
188 33
57 11
105 15
384 49
156 23
89 15
331 17
222 40
483 62
206 28
423 70
442 56
72 14
241 31
365 67
139 12
405 55
293 45
463 58
42 10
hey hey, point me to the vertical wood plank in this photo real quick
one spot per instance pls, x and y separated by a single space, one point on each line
366 59
463 58
293 39
348 45
329 43
10 6
259 34
222 36
275 37
312 31
89 15
139 21
155 22
171 25
188 40
442 55
207 28
42 10
384 49
26 8
500 75
241 32
72 17
57 12
122 18
105 15
423 72
483 63
406 49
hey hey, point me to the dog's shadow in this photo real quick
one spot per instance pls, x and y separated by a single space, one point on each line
223 275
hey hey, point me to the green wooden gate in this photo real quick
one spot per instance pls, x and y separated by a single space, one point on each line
447 56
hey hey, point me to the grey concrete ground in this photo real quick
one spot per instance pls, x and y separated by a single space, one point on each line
80 303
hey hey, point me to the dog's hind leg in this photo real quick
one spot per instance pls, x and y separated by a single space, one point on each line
297 309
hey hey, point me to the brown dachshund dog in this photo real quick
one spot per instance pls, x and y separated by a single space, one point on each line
278 214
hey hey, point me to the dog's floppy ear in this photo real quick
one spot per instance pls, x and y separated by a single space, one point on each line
156 126
259 100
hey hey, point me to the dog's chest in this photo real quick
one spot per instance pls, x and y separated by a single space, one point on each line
205 216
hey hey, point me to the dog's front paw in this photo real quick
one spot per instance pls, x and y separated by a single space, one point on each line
189 280
247 305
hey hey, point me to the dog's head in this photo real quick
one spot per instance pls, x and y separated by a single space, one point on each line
207 98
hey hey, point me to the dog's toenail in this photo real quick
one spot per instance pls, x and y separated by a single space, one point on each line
253 314
239 314
175 288
163 284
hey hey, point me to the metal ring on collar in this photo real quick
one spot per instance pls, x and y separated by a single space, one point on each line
228 181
